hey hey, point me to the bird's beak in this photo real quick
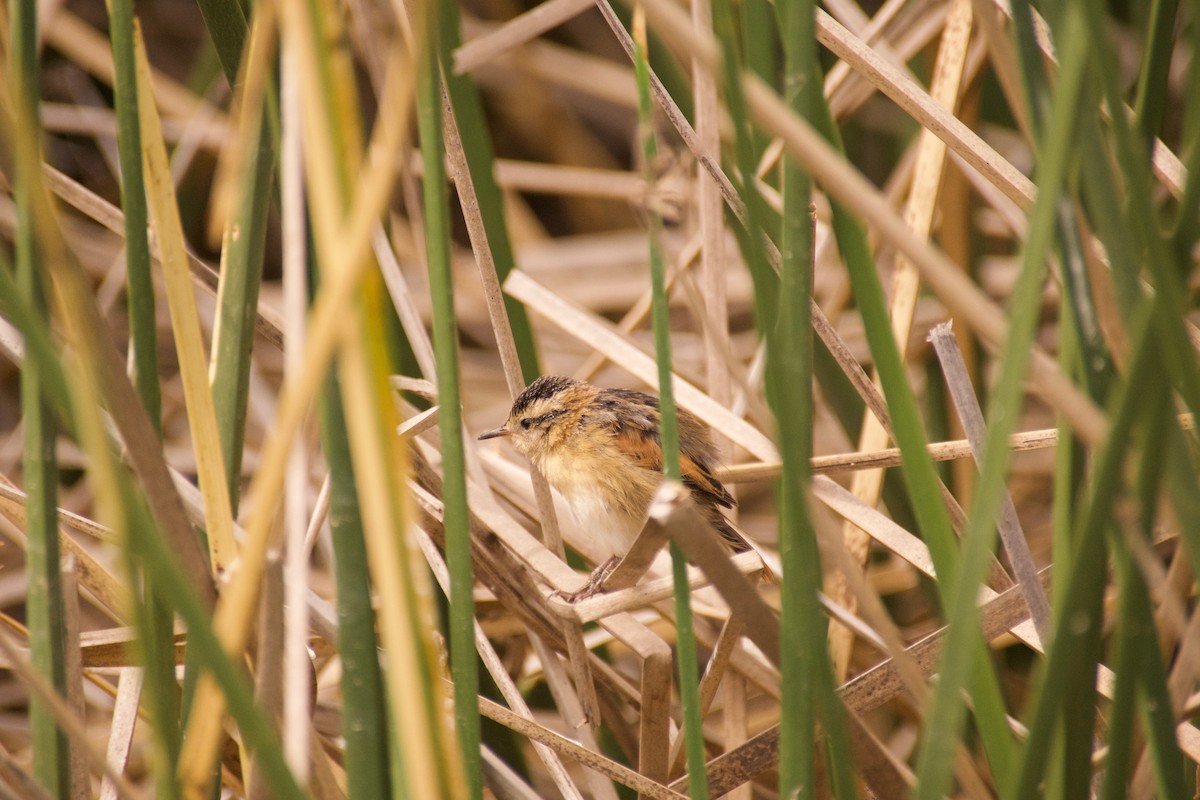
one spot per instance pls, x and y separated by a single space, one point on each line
494 433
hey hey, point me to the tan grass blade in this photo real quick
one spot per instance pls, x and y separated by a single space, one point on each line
120 734
193 363
257 62
109 591
297 705
522 28
582 755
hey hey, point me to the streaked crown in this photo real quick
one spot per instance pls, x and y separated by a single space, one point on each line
546 401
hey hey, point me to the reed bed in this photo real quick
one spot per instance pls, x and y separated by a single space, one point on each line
926 268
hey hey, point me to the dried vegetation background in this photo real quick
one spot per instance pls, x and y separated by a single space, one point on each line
943 160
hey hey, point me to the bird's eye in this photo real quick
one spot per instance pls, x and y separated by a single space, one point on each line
525 423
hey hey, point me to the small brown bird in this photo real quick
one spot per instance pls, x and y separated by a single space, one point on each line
600 449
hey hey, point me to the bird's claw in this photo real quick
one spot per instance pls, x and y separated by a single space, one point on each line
594 585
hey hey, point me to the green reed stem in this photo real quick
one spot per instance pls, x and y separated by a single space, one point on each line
477 147
808 684
140 288
463 666
364 702
44 602
685 634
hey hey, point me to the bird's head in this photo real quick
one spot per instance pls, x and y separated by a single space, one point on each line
542 414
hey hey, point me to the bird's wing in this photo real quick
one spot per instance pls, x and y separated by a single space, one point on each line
633 418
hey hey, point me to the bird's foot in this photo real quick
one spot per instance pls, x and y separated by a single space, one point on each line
594 585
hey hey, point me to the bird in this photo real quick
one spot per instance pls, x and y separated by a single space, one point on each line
601 450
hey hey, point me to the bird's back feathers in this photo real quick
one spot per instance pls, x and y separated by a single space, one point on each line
633 419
